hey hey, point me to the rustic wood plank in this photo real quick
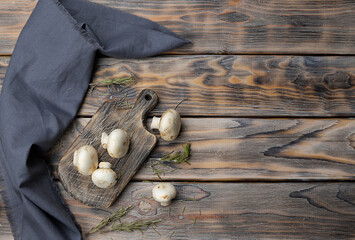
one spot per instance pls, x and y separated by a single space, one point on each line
233 85
13 16
4 62
109 117
238 149
228 26
232 211
5 229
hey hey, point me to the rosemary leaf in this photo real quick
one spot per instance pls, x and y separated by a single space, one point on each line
171 234
183 210
156 231
188 199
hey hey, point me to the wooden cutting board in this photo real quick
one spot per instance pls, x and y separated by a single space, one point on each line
109 117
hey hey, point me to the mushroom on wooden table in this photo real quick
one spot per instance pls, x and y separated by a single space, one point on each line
164 193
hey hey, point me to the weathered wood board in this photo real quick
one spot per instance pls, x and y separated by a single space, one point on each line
233 85
230 211
230 98
108 118
4 62
228 26
250 149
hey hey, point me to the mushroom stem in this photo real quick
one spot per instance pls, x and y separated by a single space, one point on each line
105 165
179 103
155 123
164 204
75 158
104 140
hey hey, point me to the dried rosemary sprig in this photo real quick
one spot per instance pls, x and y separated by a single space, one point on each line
158 167
135 225
111 219
123 226
178 157
114 81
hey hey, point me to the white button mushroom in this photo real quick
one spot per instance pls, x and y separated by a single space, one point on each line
104 177
164 193
169 124
86 159
117 143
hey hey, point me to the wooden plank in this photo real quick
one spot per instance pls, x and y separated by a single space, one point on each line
4 62
13 16
238 149
233 85
233 211
228 26
5 229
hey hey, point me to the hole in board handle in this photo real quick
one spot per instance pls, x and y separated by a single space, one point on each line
148 97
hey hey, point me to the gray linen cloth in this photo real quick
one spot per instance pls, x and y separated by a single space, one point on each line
45 83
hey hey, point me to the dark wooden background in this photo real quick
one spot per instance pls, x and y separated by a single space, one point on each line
271 101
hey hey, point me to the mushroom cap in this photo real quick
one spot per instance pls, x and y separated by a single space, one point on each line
86 159
118 143
104 177
170 124
164 193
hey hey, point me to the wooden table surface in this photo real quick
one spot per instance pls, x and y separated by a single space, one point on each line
271 100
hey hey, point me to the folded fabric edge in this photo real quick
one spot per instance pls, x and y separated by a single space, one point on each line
77 26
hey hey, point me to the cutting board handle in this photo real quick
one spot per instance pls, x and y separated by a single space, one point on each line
146 101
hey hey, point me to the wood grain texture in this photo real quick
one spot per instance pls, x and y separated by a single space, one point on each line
238 149
228 26
13 16
4 62
108 118
233 85
232 211
5 229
